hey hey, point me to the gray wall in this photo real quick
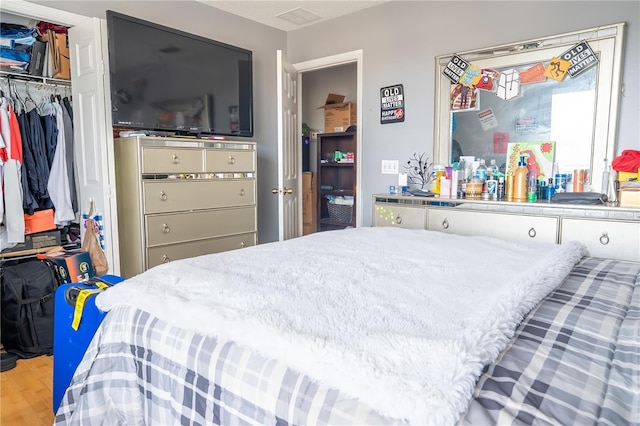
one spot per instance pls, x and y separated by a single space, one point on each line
399 40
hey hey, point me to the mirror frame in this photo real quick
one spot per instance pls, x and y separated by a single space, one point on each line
606 41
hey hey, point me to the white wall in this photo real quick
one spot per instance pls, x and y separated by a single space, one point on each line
400 40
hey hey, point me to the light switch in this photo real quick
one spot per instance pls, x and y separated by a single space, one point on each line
389 167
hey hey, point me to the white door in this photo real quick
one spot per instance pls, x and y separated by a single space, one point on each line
92 140
289 159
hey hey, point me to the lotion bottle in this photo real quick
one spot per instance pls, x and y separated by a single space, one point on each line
520 181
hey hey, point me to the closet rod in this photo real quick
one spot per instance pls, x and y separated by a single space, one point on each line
33 79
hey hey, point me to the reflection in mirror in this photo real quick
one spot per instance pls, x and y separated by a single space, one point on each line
548 111
578 114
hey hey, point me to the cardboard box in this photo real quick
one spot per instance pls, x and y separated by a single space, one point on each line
57 53
39 221
629 198
629 194
37 241
309 204
338 114
74 267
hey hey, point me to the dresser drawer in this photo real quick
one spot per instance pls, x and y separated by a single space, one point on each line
604 238
219 161
389 214
198 225
499 225
172 160
164 196
164 254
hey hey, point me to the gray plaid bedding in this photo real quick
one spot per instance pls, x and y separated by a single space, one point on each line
574 360
140 370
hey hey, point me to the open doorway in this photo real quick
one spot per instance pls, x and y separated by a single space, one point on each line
340 74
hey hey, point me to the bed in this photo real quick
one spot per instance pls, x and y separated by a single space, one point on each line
368 326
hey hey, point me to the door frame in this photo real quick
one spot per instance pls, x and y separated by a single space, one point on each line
329 62
102 143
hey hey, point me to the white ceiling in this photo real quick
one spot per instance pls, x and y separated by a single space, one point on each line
304 13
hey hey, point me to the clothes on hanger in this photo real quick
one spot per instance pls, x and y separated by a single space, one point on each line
36 158
58 182
12 231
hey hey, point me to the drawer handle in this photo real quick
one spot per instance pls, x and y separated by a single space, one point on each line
445 224
175 159
232 160
165 228
604 239
242 244
165 258
163 196
398 220
242 192
532 232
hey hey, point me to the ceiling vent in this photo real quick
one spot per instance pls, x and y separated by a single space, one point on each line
299 16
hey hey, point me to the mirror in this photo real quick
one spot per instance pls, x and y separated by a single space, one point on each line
578 114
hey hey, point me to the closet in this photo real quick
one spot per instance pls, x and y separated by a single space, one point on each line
92 132
40 144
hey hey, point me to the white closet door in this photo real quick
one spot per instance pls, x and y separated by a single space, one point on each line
95 171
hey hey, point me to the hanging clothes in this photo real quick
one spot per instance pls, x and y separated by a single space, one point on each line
3 159
50 130
58 183
37 147
32 184
68 137
67 105
13 230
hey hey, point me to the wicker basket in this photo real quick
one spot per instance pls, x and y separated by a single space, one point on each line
340 212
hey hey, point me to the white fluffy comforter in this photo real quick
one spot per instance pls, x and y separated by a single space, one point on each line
402 319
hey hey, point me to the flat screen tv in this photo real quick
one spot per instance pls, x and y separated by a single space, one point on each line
163 79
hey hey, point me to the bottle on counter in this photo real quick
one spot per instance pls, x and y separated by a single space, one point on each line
520 181
501 191
551 190
532 187
492 187
492 169
509 187
482 173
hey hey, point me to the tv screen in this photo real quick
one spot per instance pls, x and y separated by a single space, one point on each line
169 80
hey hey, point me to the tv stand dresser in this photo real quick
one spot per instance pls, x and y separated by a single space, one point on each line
180 198
609 232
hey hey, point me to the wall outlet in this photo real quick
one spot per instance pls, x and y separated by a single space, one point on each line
389 167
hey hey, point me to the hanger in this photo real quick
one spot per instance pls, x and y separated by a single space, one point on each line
28 97
5 81
18 103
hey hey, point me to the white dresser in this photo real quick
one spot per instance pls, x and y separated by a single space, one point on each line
610 232
180 198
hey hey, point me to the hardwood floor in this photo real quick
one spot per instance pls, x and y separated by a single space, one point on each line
27 393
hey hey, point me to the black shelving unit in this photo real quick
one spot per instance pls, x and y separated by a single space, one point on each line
336 177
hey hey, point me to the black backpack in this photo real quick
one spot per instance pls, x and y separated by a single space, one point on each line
27 294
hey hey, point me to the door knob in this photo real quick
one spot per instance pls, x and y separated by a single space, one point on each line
284 191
